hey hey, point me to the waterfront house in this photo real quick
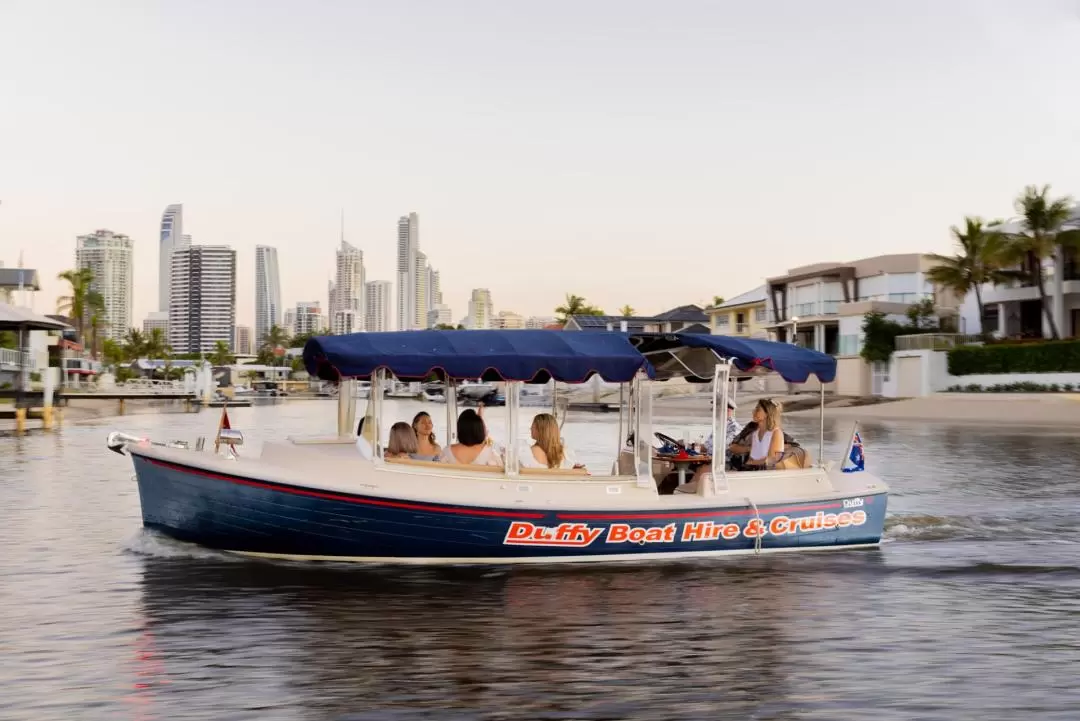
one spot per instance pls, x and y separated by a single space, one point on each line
1013 310
822 306
744 316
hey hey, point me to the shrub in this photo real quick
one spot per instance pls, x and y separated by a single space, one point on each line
1047 357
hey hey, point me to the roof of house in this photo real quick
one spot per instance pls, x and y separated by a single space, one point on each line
689 313
27 278
638 323
757 295
600 322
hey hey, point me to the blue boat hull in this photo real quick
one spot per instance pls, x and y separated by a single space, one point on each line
252 516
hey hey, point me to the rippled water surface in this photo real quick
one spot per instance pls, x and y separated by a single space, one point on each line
969 610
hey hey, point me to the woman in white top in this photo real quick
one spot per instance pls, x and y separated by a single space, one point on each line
548 451
472 447
767 440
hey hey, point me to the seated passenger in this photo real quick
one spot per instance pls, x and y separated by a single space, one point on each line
427 449
731 430
402 442
472 447
739 450
766 440
363 444
548 451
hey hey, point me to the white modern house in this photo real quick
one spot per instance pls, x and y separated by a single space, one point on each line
822 306
1014 310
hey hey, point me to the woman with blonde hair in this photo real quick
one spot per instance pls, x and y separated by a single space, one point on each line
767 439
548 450
402 442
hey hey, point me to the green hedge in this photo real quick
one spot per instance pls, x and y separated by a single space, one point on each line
1021 387
1049 357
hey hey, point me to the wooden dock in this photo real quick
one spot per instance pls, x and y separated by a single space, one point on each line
31 404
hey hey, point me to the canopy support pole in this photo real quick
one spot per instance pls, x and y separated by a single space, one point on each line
620 441
513 404
641 404
346 415
721 374
821 426
375 403
451 411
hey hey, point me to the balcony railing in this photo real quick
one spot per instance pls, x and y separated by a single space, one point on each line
10 358
742 327
935 341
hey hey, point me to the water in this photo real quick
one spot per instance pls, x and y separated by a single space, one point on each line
969 610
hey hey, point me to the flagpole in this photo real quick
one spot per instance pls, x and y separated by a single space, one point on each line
850 444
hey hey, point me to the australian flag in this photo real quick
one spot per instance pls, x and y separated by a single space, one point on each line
855 461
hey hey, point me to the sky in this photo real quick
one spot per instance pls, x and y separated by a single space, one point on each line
632 152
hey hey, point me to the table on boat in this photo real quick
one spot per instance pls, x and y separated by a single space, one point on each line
682 464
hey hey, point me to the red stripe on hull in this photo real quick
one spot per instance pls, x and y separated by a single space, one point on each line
343 497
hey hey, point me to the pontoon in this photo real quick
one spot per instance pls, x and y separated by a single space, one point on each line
318 498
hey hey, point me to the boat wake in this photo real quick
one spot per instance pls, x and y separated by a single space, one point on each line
147 542
922 527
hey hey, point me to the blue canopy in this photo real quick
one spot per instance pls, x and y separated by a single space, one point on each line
492 355
794 364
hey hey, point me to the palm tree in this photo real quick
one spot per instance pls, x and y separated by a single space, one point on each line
1042 219
95 308
134 344
114 353
155 346
221 355
626 311
718 300
575 305
74 305
276 336
980 261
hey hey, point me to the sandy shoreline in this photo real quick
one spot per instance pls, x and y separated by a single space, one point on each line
1051 410
1031 410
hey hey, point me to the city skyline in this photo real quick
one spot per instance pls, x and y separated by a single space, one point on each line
731 140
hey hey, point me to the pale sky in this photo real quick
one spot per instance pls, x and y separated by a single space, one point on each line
650 153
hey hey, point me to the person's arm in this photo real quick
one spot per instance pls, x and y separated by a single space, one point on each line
776 447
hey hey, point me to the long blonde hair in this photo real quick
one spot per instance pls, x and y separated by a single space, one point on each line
771 409
548 438
402 439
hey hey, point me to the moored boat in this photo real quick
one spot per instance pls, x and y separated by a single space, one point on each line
319 498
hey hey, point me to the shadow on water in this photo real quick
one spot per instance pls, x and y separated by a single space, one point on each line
611 643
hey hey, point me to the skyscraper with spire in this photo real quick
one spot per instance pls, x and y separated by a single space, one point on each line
347 292
171 238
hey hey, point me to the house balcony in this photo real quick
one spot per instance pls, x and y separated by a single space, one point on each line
826 310
1018 292
10 359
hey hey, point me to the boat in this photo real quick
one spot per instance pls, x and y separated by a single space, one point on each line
312 498
222 401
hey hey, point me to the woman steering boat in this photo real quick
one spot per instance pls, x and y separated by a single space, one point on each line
317 498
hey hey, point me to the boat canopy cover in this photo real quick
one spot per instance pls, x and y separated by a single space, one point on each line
794 364
492 355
